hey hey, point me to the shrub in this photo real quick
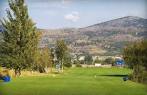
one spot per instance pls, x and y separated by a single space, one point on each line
135 57
68 65
97 61
0 69
139 77
144 77
78 65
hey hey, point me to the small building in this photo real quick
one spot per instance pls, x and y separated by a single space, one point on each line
98 65
81 58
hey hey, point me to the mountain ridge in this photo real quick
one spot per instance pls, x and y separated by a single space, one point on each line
103 38
121 18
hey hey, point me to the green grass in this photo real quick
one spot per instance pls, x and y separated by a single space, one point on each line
75 81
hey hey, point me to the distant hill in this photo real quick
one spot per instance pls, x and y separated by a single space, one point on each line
125 22
125 25
106 38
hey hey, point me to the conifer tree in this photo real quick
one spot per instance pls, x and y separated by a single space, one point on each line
20 38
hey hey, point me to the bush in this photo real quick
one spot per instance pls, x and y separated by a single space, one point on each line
68 65
144 77
97 61
109 61
135 57
130 77
78 65
140 77
0 69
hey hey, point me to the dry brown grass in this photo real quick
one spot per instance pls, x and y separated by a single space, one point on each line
11 73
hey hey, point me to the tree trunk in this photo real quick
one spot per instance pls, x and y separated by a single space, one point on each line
136 73
62 65
17 72
41 69
51 67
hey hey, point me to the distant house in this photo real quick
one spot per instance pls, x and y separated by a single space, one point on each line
98 65
81 58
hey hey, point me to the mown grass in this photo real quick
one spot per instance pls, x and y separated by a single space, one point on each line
76 81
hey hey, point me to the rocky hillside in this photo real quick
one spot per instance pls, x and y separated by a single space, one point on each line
125 25
113 35
102 38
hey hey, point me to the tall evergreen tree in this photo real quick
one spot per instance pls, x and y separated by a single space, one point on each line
20 38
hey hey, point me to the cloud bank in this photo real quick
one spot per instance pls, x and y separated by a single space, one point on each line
74 16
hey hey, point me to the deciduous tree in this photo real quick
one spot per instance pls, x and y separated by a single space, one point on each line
135 56
61 49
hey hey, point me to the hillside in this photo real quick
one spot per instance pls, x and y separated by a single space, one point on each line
106 38
114 34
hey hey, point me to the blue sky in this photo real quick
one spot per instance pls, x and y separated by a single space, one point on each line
78 13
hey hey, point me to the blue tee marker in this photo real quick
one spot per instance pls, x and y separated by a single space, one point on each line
125 78
6 78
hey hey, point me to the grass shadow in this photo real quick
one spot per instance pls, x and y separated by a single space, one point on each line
114 75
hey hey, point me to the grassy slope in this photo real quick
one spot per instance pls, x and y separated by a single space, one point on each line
77 81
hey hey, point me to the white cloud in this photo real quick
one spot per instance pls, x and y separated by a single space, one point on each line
74 16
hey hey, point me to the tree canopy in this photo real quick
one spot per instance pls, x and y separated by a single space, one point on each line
20 38
61 50
135 56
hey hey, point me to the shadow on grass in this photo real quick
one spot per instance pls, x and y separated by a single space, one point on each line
54 72
115 75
